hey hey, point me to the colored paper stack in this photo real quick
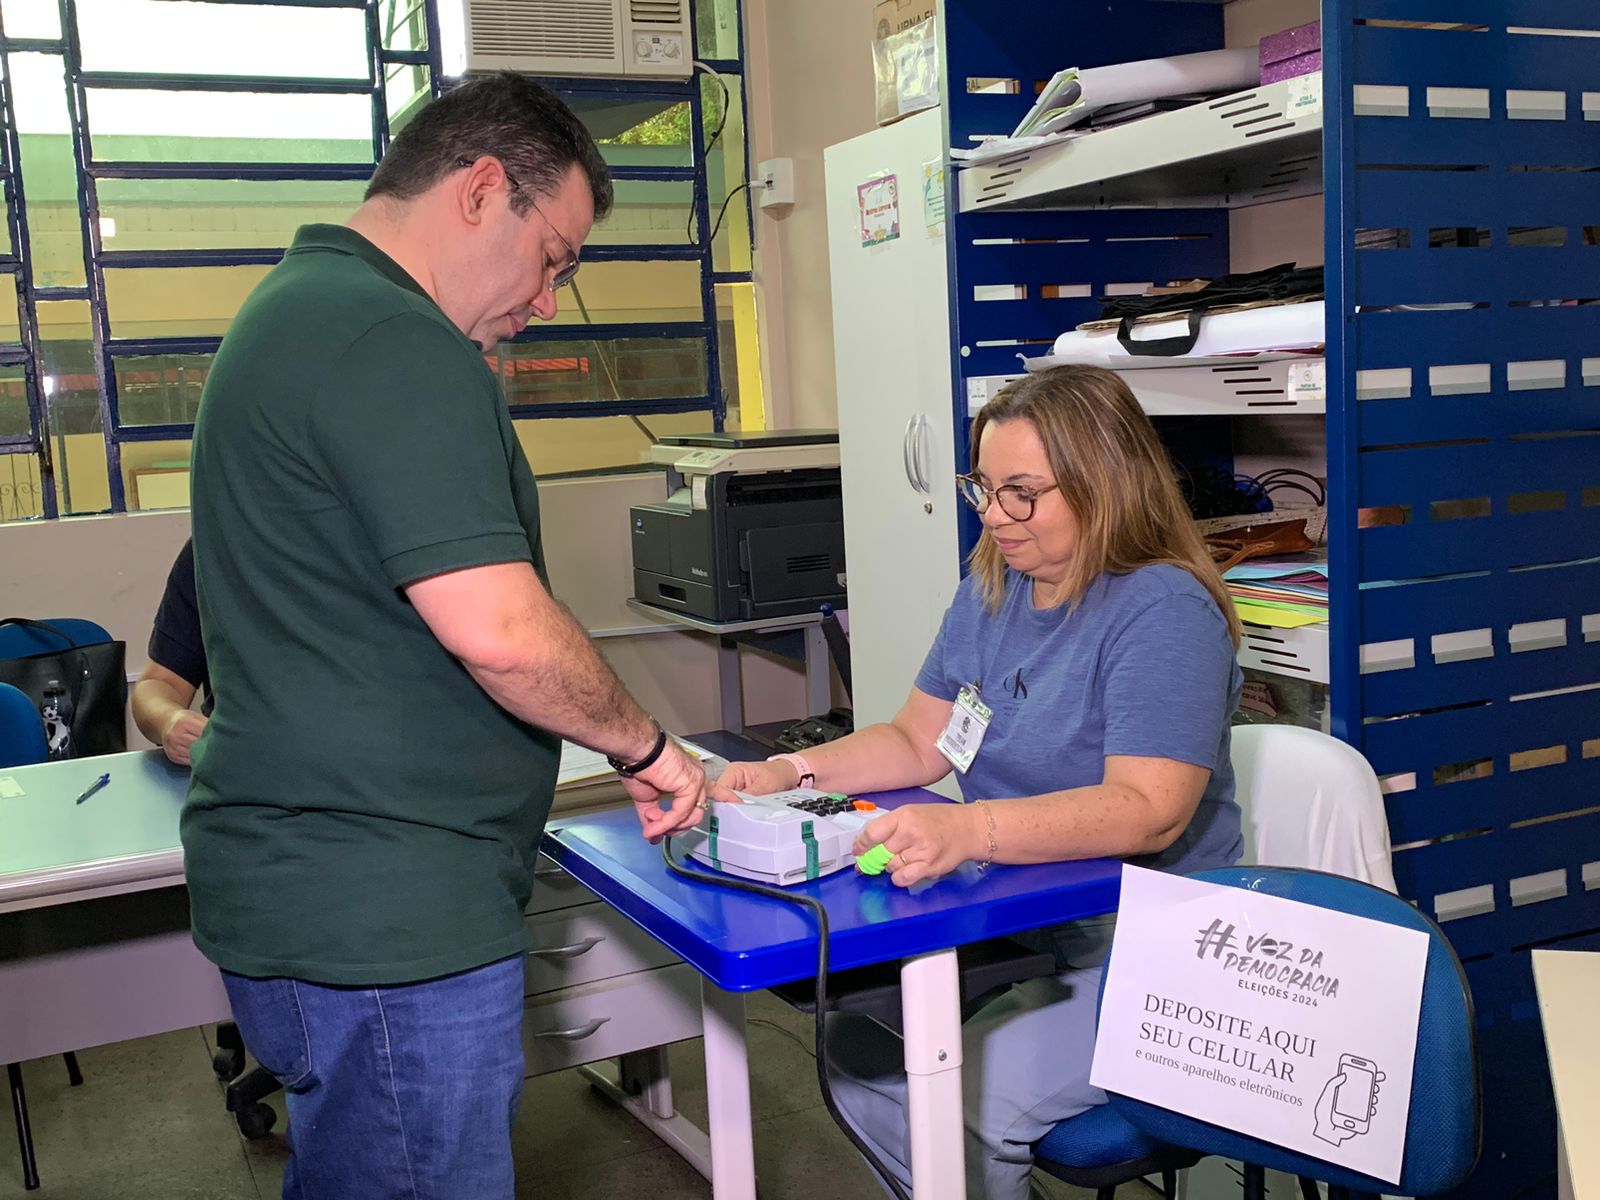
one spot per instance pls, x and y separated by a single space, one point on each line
1286 593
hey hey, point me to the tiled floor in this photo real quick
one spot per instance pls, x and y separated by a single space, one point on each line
148 1122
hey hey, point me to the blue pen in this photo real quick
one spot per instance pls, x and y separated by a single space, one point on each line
94 787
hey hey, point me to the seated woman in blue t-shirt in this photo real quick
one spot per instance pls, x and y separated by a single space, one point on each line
1096 631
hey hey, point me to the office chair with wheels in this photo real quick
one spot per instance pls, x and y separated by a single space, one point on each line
1307 800
1444 1132
22 743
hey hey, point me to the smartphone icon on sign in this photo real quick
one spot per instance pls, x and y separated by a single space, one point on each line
1357 1097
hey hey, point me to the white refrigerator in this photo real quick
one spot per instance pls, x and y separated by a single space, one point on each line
891 325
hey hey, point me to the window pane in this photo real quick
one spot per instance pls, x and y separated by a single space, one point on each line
725 171
636 133
14 419
146 125
212 214
632 292
178 37
177 301
49 169
717 28
647 213
406 89
583 371
404 24
596 443
739 356
21 493
155 474
33 18
159 389
72 402
10 329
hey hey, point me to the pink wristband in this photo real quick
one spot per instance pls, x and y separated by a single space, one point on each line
801 765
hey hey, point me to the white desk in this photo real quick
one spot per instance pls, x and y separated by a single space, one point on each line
1568 982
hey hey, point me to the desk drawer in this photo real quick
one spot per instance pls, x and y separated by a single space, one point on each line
586 944
553 888
602 1020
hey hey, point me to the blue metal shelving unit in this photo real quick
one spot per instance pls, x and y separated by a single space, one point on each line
1463 439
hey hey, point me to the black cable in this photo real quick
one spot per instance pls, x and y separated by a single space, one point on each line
716 136
1286 473
1290 485
716 226
820 914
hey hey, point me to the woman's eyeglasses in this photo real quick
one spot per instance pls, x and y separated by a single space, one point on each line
1016 502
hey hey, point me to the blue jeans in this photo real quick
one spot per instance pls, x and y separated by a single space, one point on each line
406 1091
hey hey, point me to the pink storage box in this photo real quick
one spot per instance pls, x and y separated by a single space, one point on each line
1296 51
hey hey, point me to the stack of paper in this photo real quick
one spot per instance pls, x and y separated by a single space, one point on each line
1073 95
1286 593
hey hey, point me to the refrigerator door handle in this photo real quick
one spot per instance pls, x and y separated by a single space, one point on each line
907 452
924 435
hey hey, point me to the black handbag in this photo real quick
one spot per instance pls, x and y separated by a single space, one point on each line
79 691
1275 285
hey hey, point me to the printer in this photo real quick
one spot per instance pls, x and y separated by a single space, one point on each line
752 526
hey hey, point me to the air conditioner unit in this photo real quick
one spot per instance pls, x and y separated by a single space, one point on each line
613 38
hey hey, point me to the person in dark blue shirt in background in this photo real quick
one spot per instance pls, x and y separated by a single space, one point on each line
164 695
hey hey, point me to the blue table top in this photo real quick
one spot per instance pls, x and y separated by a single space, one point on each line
744 943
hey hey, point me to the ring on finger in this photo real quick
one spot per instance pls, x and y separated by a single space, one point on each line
901 855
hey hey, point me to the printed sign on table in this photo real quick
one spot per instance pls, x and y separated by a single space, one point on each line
880 210
1283 1021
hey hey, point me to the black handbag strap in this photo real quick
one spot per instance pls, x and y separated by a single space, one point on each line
1169 347
66 642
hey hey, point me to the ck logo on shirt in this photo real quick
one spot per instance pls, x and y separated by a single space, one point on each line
1014 684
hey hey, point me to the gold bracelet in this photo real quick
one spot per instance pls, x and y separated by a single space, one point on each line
989 817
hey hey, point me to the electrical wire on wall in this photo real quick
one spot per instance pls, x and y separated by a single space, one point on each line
716 136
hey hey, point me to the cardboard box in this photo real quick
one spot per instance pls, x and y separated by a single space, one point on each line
891 16
1292 52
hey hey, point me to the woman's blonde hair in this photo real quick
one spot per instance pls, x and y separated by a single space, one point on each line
1113 473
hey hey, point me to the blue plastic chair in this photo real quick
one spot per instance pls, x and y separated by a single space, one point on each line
22 739
1443 1135
1445 1130
1099 1149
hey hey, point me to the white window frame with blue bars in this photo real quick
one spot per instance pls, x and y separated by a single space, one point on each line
35 444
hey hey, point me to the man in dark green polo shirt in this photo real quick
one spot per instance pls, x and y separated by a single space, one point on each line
393 674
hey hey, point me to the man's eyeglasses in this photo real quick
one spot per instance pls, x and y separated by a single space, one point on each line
1016 502
563 274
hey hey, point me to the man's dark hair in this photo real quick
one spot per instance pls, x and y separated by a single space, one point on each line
507 116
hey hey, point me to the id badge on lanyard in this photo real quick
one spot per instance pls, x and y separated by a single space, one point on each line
969 721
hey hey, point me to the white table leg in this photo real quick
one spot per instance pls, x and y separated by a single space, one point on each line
733 1157
930 994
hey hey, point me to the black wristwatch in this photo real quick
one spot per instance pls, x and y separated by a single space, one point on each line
629 770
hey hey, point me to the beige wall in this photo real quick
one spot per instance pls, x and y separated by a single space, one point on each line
815 60
112 569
